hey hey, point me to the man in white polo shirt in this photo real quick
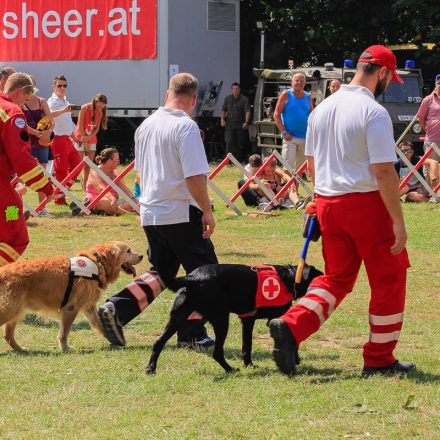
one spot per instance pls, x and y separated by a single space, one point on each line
350 153
65 155
176 212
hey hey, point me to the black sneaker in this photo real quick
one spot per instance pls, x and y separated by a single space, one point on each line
110 324
285 352
196 344
393 369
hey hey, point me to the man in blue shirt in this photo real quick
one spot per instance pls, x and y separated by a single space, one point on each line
291 114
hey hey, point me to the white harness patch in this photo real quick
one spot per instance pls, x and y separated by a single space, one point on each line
83 267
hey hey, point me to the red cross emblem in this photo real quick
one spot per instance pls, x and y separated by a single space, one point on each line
271 288
81 263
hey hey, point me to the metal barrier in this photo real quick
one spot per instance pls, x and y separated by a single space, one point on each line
111 184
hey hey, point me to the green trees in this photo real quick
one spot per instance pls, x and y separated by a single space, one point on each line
318 31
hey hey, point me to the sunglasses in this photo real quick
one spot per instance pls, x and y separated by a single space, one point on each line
407 150
64 86
30 88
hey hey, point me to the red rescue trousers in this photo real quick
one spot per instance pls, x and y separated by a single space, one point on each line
65 159
13 232
356 227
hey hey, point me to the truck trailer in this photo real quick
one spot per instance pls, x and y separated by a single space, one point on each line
126 49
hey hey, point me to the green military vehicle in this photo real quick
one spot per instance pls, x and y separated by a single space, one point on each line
401 100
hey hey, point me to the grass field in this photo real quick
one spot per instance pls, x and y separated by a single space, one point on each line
99 392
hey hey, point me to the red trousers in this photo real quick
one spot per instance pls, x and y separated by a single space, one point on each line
356 227
65 159
13 232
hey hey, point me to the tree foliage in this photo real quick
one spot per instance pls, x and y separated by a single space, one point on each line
319 31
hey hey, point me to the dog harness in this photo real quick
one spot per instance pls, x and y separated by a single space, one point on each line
80 267
271 290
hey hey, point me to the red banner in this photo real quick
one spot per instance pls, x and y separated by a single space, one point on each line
46 30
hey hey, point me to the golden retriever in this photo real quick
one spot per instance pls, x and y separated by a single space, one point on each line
40 286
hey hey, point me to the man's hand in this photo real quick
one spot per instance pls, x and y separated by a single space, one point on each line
287 137
400 236
222 123
245 125
208 222
45 136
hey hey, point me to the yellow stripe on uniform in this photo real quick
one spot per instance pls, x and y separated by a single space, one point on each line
9 251
3 115
31 174
39 183
3 262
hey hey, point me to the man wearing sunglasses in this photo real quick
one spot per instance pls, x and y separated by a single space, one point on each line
15 157
414 190
65 155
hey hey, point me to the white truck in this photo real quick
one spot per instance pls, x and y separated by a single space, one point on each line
126 49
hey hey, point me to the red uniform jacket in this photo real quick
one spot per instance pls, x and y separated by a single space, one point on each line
15 149
15 157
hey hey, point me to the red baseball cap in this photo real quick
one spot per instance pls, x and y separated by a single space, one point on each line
381 56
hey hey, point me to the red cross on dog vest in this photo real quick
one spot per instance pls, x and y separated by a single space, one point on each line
271 291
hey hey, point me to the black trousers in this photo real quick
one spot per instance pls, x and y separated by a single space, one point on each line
234 140
170 246
249 195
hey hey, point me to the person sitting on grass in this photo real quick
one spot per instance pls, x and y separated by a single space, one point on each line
250 195
414 190
274 179
110 204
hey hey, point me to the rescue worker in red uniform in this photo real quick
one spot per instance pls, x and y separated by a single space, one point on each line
65 156
15 157
351 153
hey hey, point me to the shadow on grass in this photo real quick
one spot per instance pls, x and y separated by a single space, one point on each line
238 254
36 321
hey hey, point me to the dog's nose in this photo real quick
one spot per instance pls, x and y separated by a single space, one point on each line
140 257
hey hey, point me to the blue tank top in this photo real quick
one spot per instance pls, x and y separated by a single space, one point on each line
295 114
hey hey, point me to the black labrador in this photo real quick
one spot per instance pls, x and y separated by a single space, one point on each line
216 290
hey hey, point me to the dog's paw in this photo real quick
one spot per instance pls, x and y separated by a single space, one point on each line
233 370
67 349
150 369
21 349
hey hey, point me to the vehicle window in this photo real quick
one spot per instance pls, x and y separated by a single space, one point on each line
409 91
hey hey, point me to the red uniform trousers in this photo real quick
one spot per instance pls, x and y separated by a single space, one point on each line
356 227
13 232
65 159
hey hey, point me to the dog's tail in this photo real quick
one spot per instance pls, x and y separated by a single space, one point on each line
173 283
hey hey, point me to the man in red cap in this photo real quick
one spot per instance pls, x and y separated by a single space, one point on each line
350 153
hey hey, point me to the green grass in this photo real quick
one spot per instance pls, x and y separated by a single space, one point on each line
98 392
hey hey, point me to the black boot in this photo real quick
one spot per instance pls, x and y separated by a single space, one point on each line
393 369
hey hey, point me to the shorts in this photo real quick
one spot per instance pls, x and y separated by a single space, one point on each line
80 148
293 152
417 188
40 153
434 155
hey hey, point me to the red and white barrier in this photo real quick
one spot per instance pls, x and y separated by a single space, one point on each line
217 190
254 178
35 212
111 184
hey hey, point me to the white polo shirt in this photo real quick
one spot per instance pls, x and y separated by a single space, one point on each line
64 126
168 149
347 133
